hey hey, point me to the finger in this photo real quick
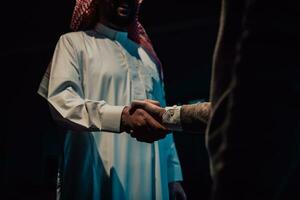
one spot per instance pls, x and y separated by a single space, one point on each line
133 134
153 109
150 108
153 102
157 129
145 138
139 104
136 104
142 132
148 137
147 134
149 129
155 124
144 103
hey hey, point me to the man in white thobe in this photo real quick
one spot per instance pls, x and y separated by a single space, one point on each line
93 75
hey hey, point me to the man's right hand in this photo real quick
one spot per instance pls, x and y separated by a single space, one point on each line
141 125
150 106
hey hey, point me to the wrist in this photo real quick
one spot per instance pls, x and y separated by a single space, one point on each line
162 111
124 120
171 118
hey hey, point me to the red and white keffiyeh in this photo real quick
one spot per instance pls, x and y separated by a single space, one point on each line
85 13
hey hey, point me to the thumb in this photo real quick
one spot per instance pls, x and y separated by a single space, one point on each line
150 108
153 102
135 104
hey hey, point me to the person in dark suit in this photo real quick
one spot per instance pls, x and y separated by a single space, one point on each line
252 121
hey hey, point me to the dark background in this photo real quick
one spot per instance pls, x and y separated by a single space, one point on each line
183 33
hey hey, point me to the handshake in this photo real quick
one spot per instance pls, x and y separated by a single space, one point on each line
143 121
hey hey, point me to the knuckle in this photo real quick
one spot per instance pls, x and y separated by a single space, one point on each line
140 111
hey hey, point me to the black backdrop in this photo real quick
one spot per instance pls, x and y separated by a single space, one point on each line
183 34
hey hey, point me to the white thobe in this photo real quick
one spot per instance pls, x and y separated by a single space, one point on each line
92 75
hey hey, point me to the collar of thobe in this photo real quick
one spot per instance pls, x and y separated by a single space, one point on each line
112 34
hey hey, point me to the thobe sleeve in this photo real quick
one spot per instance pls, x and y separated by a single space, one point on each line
66 95
174 168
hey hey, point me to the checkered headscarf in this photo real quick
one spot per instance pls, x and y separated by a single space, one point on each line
85 13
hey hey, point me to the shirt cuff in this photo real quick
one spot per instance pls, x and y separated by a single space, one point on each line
171 118
111 118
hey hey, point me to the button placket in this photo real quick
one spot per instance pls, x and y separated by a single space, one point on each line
138 89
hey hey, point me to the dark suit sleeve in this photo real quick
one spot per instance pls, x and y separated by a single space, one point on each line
260 157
